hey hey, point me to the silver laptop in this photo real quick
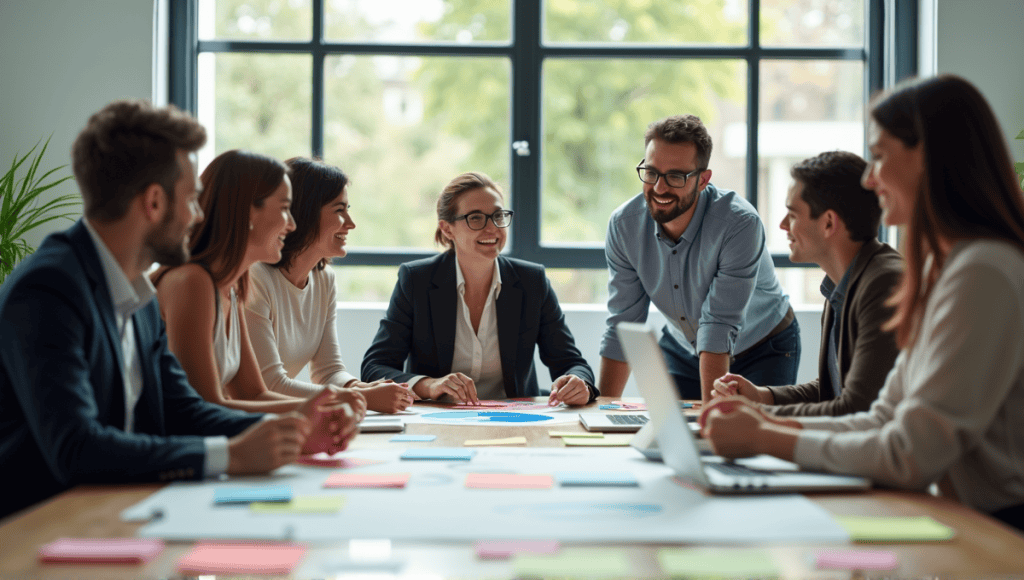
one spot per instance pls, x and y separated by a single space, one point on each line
679 447
613 422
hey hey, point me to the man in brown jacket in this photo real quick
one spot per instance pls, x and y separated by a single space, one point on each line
832 221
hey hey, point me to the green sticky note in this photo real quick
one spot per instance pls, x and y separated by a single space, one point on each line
584 434
607 441
574 563
701 563
893 529
305 504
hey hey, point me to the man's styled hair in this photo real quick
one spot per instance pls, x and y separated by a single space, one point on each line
832 180
314 185
127 146
682 129
448 201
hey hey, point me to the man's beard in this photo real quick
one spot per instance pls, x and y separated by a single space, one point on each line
167 249
666 213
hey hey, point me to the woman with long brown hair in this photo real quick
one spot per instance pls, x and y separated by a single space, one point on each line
245 200
950 412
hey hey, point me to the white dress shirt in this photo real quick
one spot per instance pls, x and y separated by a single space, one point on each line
128 298
477 353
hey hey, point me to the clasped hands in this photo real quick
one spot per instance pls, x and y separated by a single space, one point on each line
734 422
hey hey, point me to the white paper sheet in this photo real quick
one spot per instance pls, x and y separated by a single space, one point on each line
436 506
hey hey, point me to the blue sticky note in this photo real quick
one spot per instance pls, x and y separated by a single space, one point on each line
683 405
401 438
608 407
440 453
252 494
595 479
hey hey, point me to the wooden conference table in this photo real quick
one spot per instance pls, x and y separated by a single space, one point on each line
982 548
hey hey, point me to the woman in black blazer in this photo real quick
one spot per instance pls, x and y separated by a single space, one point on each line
465 323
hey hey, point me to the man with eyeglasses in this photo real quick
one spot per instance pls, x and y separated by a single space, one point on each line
699 254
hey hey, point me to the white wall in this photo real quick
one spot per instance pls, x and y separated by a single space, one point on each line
358 322
983 41
61 61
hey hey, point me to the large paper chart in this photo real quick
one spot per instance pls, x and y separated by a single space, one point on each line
658 510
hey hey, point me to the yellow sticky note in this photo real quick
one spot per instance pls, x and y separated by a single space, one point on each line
506 441
607 441
712 563
895 529
303 504
574 563
583 434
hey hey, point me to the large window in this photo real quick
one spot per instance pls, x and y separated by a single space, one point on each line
549 97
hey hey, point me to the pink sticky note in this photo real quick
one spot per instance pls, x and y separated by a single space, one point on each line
367 480
631 406
101 550
325 460
855 560
502 549
213 558
508 481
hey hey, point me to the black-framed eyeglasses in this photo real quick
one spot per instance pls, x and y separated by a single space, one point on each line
477 220
672 178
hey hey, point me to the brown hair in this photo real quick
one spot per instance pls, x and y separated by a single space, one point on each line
124 148
232 183
448 201
682 129
832 180
314 185
969 189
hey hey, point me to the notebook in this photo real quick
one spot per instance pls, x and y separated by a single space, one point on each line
679 446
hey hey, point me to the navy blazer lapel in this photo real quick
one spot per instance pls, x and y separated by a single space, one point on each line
509 307
149 411
443 301
90 258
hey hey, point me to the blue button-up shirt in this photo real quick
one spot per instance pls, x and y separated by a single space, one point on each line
836 296
716 284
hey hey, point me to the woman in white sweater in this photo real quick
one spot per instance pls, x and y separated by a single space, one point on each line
291 316
950 412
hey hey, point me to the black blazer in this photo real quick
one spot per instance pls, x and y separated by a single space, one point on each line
61 391
418 331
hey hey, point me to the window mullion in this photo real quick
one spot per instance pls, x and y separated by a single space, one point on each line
526 126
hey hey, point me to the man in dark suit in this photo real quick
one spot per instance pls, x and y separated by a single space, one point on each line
89 392
833 221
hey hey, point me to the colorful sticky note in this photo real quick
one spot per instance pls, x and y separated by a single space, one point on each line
224 495
241 558
505 441
616 440
895 529
508 481
502 549
367 480
101 550
409 438
631 406
325 460
595 479
575 563
584 434
855 560
738 563
439 454
303 504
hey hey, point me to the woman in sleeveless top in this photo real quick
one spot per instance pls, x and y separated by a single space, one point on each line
950 411
245 200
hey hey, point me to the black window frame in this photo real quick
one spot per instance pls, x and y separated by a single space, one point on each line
889 54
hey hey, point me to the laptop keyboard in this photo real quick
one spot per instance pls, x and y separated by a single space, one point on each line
627 419
736 470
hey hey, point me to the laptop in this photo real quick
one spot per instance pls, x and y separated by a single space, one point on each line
678 445
623 422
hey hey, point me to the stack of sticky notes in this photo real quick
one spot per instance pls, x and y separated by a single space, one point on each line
718 563
895 529
582 434
303 504
596 479
265 493
493 442
504 549
101 551
438 454
241 558
325 460
411 438
615 440
831 559
508 481
574 563
370 480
